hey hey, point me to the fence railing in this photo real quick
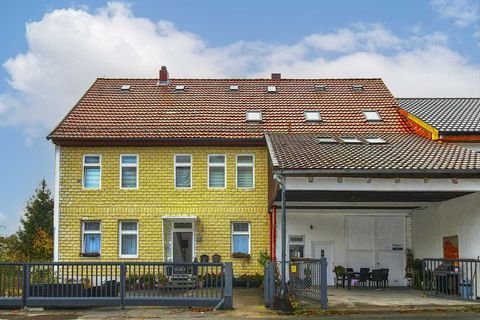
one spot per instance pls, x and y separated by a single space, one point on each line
455 278
305 279
86 284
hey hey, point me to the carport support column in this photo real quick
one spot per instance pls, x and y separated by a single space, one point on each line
284 289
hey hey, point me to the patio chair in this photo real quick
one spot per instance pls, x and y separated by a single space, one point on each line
364 277
377 278
204 258
385 278
216 258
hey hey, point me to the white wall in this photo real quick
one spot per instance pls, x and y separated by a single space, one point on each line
330 227
326 227
460 216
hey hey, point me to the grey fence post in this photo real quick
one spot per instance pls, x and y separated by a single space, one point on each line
323 283
271 282
25 283
424 279
228 292
123 283
266 285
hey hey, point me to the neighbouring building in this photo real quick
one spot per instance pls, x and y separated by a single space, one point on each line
454 120
457 221
172 169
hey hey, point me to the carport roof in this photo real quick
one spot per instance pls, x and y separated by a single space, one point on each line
402 153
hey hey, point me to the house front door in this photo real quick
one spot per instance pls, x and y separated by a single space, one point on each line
182 246
321 249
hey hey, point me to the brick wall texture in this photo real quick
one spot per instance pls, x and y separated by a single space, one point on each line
156 198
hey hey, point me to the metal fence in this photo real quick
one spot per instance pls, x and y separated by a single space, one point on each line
86 284
305 279
455 278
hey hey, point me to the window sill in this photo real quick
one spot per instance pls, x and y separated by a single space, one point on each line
128 257
240 255
90 255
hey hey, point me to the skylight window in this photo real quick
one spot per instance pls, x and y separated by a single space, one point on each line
313 116
180 88
234 88
371 115
374 140
350 140
125 87
272 89
320 87
326 139
254 116
357 87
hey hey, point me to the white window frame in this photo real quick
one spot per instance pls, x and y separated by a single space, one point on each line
91 232
129 165
310 112
92 165
245 165
224 165
241 233
122 232
250 113
175 165
371 111
375 140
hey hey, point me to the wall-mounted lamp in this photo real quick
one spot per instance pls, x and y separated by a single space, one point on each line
339 179
368 180
310 179
455 180
397 180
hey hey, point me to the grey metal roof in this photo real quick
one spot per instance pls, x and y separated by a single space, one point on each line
402 152
449 115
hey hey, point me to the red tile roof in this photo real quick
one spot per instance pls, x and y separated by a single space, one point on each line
402 152
209 110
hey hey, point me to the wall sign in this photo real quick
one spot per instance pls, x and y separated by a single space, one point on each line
450 247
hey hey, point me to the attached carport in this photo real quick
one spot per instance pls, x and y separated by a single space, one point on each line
353 203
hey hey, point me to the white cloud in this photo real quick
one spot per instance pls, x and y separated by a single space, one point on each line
361 36
69 48
463 12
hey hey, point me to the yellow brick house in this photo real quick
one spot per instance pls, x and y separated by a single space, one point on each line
145 172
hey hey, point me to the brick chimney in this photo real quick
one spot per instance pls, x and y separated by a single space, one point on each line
163 78
276 76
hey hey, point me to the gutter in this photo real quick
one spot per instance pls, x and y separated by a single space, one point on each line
469 173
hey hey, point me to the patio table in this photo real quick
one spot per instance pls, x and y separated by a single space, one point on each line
353 275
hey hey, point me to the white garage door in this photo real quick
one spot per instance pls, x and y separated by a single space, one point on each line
377 242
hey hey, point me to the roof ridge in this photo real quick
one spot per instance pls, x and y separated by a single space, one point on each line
442 98
242 79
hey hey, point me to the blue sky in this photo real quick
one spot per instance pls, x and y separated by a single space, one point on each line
51 51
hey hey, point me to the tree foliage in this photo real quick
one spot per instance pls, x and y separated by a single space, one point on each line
36 232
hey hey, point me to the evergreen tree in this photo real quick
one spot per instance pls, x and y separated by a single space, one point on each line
37 225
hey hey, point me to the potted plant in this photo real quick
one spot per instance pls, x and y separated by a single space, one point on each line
339 270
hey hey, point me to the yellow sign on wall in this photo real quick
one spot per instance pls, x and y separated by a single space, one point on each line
293 268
